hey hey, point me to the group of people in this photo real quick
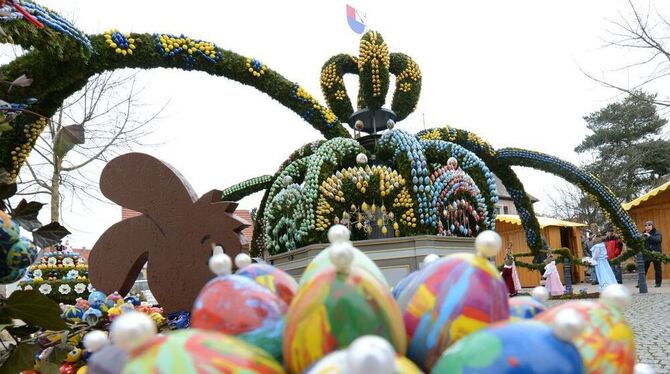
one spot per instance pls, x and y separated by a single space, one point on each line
599 250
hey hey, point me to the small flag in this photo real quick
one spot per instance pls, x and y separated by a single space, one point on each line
356 20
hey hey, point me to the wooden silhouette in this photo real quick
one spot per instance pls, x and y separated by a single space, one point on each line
174 234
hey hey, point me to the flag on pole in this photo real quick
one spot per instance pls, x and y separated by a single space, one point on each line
356 20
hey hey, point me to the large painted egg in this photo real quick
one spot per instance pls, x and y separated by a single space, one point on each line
453 297
607 344
333 309
21 254
195 351
276 280
403 283
72 314
515 347
97 300
9 231
360 260
525 307
238 306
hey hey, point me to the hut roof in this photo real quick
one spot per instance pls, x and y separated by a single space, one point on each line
653 192
543 221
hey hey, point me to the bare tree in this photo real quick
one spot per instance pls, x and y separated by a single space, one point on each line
644 35
94 125
570 203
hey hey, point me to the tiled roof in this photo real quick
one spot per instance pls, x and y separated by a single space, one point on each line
504 194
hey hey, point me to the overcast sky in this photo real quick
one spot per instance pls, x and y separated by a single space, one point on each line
507 70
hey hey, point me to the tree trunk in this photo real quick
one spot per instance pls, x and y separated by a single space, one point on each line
55 190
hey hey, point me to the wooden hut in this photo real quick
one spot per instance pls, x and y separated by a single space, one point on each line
557 234
654 206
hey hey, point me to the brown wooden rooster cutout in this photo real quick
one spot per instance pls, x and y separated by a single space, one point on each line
174 234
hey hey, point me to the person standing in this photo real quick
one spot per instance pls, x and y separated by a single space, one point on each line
653 239
614 246
601 266
553 280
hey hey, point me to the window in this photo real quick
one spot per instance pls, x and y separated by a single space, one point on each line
497 210
506 210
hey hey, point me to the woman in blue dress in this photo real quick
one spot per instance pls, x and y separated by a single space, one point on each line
601 265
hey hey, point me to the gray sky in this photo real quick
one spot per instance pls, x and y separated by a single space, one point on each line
507 70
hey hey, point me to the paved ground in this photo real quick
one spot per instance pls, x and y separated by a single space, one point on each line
649 316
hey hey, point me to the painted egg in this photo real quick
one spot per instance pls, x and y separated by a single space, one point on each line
21 254
11 275
516 347
360 260
72 314
96 299
68 368
453 297
276 280
525 307
238 306
607 344
337 362
403 283
9 231
195 351
332 309
74 355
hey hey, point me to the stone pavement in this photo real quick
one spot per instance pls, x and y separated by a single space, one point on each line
649 316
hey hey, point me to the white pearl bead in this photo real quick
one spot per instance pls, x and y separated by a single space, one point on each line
643 369
617 296
95 340
568 324
242 260
361 159
370 354
338 234
488 243
132 329
341 255
429 258
540 293
220 263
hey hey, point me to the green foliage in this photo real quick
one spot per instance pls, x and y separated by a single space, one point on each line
33 308
21 358
332 84
407 85
246 188
373 69
626 144
631 267
25 214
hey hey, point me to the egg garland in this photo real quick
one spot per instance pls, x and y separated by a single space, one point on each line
55 22
16 253
122 44
315 108
255 67
171 46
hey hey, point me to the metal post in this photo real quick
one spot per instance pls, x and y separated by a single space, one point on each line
641 274
567 273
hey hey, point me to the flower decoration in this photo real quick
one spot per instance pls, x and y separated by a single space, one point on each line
64 289
120 43
68 262
45 289
37 273
255 67
52 261
79 288
90 287
72 274
170 46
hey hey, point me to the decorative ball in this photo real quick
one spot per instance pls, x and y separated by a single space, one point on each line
453 297
274 279
390 124
68 368
568 324
114 297
96 299
341 255
242 260
359 125
525 307
92 316
370 354
332 309
338 234
361 159
220 263
288 180
193 351
82 370
21 254
430 258
74 355
132 299
402 284
488 243
9 231
72 314
238 306
517 347
132 329
540 293
605 331
617 296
